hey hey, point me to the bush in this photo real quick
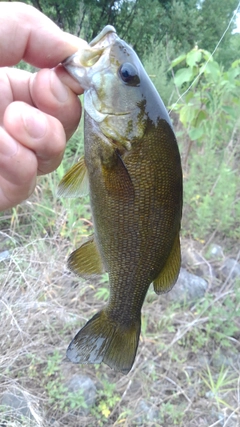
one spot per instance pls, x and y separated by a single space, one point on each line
209 113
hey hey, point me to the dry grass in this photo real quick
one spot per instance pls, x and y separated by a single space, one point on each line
187 366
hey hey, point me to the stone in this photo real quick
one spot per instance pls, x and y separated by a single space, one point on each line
4 255
230 269
193 260
145 412
226 359
86 386
19 406
188 288
214 252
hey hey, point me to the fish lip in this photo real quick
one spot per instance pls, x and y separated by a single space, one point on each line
107 30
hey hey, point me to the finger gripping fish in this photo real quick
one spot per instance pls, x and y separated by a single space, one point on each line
133 169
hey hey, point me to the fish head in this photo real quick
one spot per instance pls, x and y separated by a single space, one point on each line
118 94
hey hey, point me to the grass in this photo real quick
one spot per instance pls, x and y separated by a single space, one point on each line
187 366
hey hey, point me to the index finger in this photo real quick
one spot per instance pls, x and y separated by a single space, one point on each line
25 33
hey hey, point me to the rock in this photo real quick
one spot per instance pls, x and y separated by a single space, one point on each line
225 359
230 269
20 405
196 262
220 418
84 385
145 412
214 252
4 255
189 287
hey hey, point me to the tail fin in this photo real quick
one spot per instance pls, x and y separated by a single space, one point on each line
104 340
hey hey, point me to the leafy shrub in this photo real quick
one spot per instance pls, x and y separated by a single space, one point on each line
209 113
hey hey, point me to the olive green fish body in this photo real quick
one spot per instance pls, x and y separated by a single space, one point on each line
135 232
135 184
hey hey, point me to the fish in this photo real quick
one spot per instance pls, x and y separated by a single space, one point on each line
132 171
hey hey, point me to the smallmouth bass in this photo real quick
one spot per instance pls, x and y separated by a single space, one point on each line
133 169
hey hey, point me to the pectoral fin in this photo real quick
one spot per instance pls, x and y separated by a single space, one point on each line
86 260
75 182
169 274
117 179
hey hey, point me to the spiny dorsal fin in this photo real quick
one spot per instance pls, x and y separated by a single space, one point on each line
169 274
86 260
75 181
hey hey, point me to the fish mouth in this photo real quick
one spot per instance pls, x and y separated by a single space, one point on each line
83 64
87 57
84 58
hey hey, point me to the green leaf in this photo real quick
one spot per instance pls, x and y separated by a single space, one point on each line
177 60
235 63
232 73
189 96
195 133
202 115
182 76
187 114
229 110
212 68
207 55
193 57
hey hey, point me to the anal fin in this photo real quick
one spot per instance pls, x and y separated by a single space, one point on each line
86 260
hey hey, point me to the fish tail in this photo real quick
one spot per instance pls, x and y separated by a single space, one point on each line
104 340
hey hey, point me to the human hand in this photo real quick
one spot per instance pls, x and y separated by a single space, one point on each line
40 111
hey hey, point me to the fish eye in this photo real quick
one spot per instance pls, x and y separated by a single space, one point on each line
129 74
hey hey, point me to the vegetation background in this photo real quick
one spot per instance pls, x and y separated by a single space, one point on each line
188 364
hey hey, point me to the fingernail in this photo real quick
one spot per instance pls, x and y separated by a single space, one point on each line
35 123
58 89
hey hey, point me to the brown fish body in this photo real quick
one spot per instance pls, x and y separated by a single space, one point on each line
132 230
135 186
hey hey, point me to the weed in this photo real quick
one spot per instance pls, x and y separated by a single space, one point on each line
103 292
53 364
107 399
170 413
219 387
58 393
